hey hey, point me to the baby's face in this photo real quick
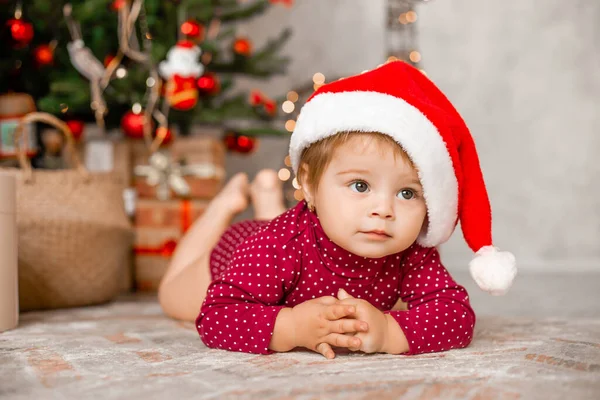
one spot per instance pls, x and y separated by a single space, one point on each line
369 200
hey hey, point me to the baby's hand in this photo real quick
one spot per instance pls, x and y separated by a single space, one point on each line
373 340
320 323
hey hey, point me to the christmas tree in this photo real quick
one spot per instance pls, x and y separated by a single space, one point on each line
101 60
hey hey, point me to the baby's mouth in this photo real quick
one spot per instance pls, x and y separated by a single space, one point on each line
377 232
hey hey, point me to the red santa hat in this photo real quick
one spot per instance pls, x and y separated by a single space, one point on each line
398 100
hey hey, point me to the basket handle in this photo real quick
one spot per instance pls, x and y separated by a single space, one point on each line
58 124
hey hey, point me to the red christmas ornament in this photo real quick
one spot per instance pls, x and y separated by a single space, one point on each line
133 124
76 127
209 84
44 55
242 46
287 3
245 144
21 31
165 134
116 5
192 29
230 141
256 97
239 143
270 107
108 59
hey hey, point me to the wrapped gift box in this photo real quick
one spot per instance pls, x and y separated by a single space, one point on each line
158 227
204 154
13 107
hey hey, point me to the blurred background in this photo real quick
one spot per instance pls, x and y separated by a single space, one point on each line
214 87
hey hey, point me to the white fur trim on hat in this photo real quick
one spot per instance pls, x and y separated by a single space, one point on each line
364 111
493 270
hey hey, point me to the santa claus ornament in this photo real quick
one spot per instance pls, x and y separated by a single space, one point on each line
180 70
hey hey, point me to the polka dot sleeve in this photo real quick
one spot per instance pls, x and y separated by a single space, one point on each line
439 315
241 306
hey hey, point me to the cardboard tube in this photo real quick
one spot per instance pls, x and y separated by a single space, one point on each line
9 294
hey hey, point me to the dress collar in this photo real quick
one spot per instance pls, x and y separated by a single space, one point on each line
337 259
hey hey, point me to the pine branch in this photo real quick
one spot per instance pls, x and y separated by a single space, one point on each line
226 84
273 46
262 64
226 34
231 109
241 13
275 67
227 3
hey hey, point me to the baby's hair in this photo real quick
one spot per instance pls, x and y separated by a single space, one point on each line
319 154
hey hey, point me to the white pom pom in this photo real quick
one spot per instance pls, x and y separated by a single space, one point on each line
493 270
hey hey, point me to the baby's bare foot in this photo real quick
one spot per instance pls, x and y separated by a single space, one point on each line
234 196
267 195
194 248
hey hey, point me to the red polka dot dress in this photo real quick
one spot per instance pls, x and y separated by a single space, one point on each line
260 267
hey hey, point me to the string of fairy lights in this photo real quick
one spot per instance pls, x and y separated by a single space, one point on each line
402 36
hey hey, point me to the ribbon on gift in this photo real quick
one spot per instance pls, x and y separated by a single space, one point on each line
167 175
167 248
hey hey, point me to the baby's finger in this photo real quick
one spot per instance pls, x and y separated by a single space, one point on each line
349 301
341 340
338 311
327 300
346 325
356 346
325 350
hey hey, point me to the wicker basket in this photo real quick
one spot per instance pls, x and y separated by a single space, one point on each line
73 233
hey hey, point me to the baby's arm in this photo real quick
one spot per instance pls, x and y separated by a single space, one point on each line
439 316
243 310
241 307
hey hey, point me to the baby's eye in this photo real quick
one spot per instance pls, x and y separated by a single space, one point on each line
406 194
359 186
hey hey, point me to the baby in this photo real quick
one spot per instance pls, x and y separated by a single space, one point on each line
387 168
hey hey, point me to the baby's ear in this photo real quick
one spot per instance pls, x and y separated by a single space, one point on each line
307 191
302 173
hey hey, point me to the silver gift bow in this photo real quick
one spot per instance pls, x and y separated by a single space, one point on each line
167 175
